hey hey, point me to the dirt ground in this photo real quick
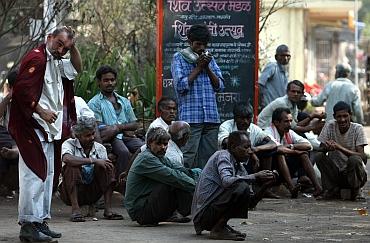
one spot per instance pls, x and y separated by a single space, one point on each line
275 220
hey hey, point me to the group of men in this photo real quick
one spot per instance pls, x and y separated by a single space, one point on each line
188 163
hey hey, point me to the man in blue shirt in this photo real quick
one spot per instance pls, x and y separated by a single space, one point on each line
274 77
116 113
196 79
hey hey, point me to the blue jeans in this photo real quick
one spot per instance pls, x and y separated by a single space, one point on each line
201 145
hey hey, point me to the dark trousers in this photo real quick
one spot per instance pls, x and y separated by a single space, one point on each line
86 193
353 176
162 203
122 149
232 203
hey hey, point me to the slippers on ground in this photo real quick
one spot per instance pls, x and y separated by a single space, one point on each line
226 236
113 216
77 217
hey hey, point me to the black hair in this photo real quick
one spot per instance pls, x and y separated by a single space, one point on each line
103 70
199 32
235 139
243 110
163 101
276 115
282 48
295 82
341 106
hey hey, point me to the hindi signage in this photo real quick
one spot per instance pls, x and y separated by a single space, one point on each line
234 28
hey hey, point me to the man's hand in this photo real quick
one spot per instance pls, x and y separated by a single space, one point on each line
331 145
105 163
47 115
107 133
264 175
204 60
319 115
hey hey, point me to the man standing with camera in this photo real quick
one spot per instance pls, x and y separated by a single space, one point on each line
197 78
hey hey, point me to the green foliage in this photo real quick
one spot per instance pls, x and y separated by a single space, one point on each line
135 81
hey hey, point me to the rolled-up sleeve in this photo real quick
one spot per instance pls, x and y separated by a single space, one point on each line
217 71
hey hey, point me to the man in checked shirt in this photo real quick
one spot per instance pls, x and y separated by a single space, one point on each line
197 78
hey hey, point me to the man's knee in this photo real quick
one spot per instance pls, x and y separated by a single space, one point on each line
320 158
354 161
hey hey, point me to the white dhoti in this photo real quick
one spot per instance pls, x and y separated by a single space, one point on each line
35 194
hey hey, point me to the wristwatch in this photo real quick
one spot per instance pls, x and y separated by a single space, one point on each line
291 146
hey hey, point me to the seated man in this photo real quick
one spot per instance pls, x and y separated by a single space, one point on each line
223 191
155 188
180 133
87 173
294 94
167 108
295 149
116 117
261 143
343 166
8 149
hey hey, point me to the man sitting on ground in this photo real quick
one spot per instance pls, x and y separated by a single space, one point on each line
223 191
167 108
8 149
294 94
115 113
295 149
87 173
155 188
343 167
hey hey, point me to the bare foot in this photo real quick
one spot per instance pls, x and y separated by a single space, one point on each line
8 153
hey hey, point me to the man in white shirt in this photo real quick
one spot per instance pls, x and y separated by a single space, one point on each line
295 149
36 117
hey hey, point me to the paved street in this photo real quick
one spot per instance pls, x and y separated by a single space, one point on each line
283 220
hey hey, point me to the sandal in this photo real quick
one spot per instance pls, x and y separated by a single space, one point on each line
232 230
113 216
226 235
77 217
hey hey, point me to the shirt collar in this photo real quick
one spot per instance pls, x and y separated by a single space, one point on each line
101 96
78 145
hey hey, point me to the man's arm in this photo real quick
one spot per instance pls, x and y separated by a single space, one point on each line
322 97
4 104
270 145
76 58
154 169
359 150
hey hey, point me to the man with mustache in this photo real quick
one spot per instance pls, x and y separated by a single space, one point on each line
156 187
274 77
115 114
293 95
224 190
342 164
167 108
197 78
42 101
87 172
294 149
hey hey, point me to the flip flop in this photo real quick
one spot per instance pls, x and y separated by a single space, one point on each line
77 217
226 236
113 216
